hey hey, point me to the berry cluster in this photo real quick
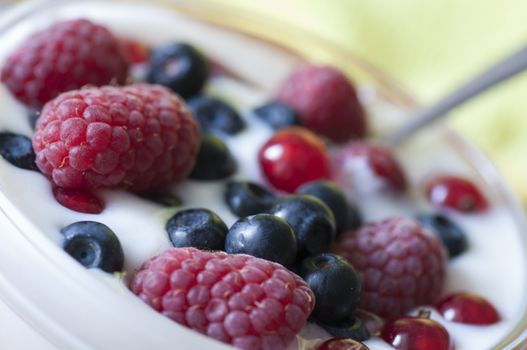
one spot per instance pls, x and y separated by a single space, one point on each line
236 284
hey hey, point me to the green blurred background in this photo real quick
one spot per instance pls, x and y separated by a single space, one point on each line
430 46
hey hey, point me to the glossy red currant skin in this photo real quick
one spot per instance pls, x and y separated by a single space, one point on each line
342 344
467 308
416 333
82 201
292 157
455 193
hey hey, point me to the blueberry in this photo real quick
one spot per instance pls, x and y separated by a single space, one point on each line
163 198
334 198
353 219
214 160
198 228
277 115
17 150
336 286
264 236
246 198
215 115
312 221
450 233
352 328
94 245
180 67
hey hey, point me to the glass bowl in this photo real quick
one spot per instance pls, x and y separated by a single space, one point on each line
74 308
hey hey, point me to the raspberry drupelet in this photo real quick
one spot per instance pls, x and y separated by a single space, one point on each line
139 137
241 300
65 56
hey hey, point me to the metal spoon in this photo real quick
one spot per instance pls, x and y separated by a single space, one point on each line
508 67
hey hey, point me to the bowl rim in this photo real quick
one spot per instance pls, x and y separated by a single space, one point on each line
250 23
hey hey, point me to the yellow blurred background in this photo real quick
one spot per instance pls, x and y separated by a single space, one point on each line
430 47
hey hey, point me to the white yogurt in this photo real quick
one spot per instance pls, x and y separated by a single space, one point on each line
494 266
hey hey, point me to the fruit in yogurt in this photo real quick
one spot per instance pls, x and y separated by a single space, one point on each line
451 234
292 157
140 137
456 193
246 198
312 221
68 55
180 67
94 245
215 115
79 200
336 286
214 160
198 227
326 102
401 264
263 236
241 300
354 166
468 308
17 150
277 115
412 333
346 215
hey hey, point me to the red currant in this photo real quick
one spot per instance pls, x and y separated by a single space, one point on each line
455 193
78 200
380 160
292 157
342 344
467 308
412 333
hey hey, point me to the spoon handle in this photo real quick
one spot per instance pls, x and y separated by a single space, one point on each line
503 70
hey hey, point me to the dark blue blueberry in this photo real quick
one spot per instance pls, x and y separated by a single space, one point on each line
163 198
312 221
334 198
352 328
264 236
277 114
336 286
94 245
17 150
214 160
180 67
246 198
451 234
353 219
198 228
215 115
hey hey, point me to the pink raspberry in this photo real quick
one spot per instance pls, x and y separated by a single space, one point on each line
139 137
326 102
363 167
245 301
400 263
63 57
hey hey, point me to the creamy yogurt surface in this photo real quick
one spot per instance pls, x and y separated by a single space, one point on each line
494 266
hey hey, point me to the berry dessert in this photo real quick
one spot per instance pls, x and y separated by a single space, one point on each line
209 190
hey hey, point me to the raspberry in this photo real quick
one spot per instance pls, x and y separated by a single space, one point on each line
326 102
65 56
245 301
401 264
139 137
